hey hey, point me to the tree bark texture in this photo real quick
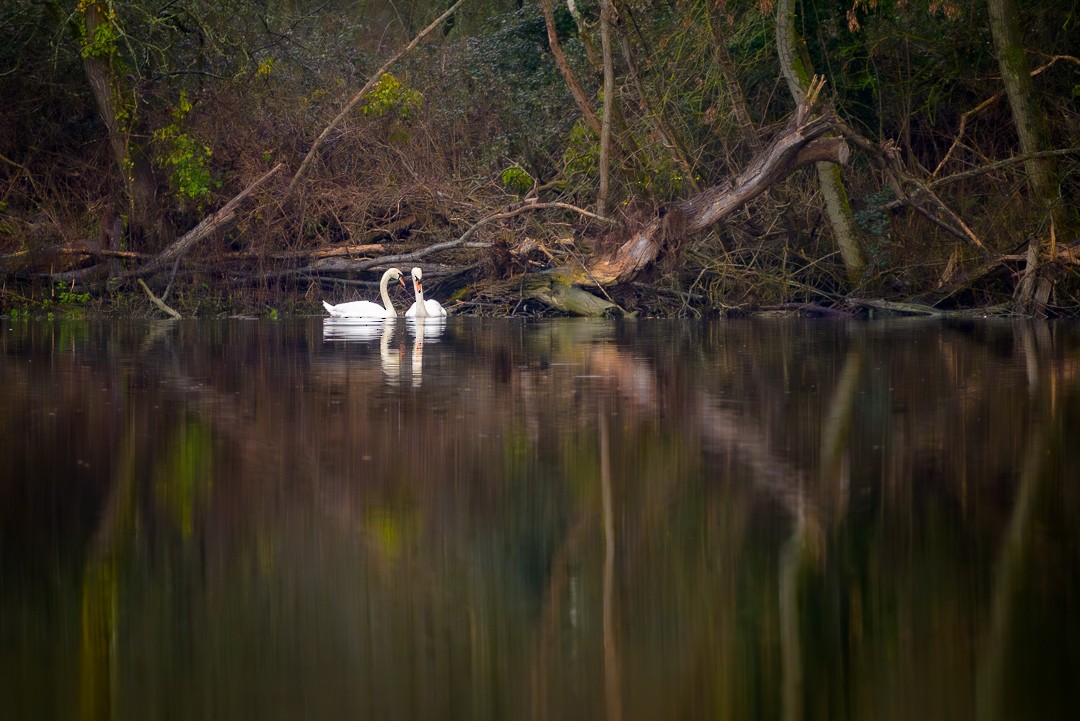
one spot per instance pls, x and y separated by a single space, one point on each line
795 66
606 20
138 179
1030 122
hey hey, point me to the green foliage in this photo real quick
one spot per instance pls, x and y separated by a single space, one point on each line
660 176
582 154
390 94
486 91
62 300
102 43
66 297
517 180
186 158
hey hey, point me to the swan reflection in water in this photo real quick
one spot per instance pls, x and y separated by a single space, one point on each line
423 329
363 330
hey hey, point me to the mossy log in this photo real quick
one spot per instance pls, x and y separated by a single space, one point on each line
557 291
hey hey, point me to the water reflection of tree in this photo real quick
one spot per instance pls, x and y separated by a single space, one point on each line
754 540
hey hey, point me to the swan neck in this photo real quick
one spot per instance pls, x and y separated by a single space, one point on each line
385 295
421 309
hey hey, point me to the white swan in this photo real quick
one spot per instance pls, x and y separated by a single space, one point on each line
423 308
365 308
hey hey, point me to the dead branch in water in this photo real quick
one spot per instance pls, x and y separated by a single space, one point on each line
158 301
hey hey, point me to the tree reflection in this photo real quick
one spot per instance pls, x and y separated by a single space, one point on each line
559 519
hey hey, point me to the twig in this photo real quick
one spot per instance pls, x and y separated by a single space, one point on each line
983 169
463 241
90 252
172 277
983 106
158 302
960 131
886 157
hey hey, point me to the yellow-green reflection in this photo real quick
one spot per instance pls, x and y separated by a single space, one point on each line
776 520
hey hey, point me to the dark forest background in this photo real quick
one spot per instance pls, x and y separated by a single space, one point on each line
123 125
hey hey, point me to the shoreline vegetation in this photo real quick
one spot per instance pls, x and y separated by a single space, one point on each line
691 159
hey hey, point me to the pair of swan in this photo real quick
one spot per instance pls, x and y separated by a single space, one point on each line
366 309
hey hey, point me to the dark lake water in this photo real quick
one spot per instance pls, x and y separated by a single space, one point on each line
539 520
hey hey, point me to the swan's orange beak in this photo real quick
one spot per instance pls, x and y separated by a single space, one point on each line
401 280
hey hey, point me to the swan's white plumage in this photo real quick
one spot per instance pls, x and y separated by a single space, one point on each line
433 309
423 308
359 309
365 308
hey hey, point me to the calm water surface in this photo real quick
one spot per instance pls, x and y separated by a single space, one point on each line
545 520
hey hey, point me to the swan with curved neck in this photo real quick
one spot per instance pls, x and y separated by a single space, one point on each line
423 308
365 308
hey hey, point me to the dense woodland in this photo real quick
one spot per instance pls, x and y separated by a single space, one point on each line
660 158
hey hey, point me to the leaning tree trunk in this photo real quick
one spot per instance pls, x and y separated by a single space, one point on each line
1034 289
797 72
804 140
98 48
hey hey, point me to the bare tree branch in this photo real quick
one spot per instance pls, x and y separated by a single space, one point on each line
372 81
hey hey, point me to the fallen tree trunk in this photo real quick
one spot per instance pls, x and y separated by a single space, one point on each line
803 141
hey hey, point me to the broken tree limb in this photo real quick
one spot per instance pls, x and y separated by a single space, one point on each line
217 220
801 142
372 81
920 309
348 251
